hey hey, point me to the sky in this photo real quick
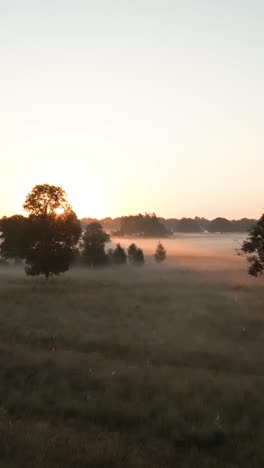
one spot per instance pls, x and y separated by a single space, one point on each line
134 106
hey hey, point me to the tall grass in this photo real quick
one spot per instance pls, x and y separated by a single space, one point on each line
153 367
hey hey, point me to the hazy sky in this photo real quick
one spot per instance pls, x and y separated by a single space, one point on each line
143 105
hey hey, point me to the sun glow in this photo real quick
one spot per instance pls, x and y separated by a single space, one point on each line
89 200
59 211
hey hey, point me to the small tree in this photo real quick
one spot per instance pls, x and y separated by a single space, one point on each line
139 258
160 253
131 251
118 255
94 240
253 248
135 255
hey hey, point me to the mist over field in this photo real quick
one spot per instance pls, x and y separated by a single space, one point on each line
212 253
194 251
200 252
186 245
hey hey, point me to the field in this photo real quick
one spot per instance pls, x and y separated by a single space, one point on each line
153 367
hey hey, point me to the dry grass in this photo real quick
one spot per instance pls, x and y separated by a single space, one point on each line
143 368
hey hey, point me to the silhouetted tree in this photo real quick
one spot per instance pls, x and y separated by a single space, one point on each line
253 248
242 225
188 225
220 225
46 199
131 250
203 223
94 241
144 225
117 256
135 255
183 225
160 253
13 237
139 258
51 238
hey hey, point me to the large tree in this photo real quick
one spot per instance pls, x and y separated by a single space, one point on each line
50 234
94 240
253 248
54 231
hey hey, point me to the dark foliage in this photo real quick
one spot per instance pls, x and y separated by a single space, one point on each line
253 248
189 225
172 225
46 240
117 256
52 243
135 255
131 250
13 237
94 241
220 225
203 223
160 253
144 225
46 199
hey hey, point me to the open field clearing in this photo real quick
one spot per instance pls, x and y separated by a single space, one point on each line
152 367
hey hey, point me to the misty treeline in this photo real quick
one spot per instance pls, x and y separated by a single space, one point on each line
149 225
93 252
51 238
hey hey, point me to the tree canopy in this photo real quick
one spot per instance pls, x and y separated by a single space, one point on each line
160 253
144 225
135 255
189 225
253 248
53 242
46 240
94 240
128 225
220 225
13 237
46 199
118 255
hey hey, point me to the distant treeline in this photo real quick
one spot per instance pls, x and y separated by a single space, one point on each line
148 225
51 237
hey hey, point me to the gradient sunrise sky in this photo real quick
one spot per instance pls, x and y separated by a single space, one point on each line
134 106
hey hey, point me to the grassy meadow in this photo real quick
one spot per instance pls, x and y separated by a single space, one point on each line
153 367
